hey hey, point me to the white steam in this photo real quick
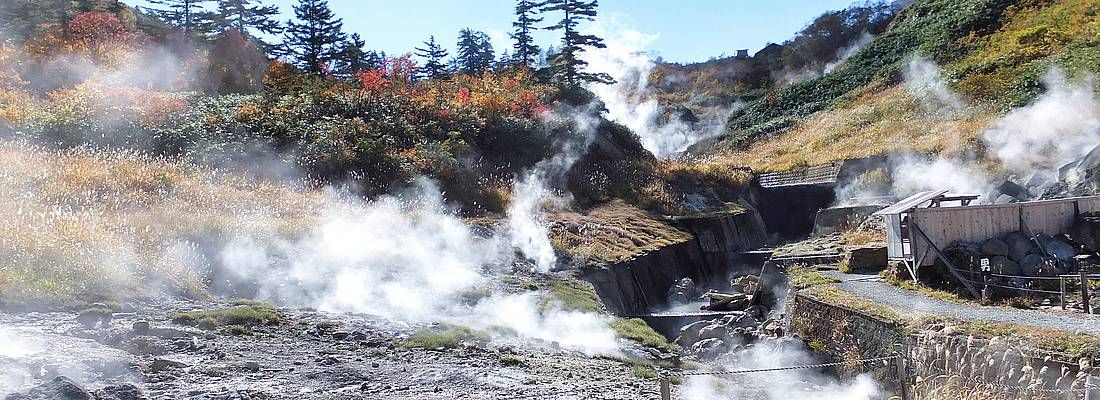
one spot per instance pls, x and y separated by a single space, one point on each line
848 51
630 100
924 81
1060 127
407 258
780 385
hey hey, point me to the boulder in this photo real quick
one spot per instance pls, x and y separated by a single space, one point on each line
59 388
161 364
1086 231
1061 250
739 320
689 334
727 302
708 349
715 331
1031 265
682 292
141 327
1019 246
1002 265
866 258
120 392
995 247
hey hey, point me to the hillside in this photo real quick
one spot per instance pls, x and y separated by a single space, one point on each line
941 75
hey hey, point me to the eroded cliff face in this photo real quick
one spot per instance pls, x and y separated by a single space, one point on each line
640 284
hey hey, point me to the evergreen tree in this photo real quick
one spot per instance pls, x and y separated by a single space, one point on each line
20 18
187 15
566 66
527 52
434 55
352 57
475 52
314 41
506 60
249 17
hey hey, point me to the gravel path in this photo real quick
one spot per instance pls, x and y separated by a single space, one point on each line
907 301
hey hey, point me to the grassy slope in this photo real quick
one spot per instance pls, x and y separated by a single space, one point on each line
994 53
80 225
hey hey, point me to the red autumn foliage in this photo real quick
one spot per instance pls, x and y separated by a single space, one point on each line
102 36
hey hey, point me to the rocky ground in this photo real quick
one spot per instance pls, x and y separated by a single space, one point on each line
307 354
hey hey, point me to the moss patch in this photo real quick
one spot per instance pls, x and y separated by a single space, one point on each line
443 336
245 316
571 295
800 277
611 233
637 330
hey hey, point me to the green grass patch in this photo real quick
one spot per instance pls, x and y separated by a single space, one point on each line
637 330
244 315
644 372
509 360
834 295
926 291
443 336
571 295
800 277
1074 345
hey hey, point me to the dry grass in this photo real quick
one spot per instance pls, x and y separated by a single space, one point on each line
858 237
875 121
611 233
83 225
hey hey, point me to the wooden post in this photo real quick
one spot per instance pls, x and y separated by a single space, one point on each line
1085 291
985 288
902 369
666 389
1082 263
1062 291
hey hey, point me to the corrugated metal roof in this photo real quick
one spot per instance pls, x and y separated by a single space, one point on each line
817 174
911 202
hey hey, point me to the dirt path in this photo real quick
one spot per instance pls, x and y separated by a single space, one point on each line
914 303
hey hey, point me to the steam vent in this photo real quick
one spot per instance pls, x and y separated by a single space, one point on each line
553 199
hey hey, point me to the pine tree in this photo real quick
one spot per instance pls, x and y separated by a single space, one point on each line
434 55
475 52
187 15
352 57
566 67
314 41
249 17
527 52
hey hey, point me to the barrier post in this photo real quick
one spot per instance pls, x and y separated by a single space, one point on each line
1082 263
902 369
666 389
1062 291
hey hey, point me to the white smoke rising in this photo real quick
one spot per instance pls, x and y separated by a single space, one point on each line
793 384
1060 127
527 226
407 258
913 174
848 51
924 81
630 100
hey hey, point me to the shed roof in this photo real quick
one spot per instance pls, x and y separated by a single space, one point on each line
911 202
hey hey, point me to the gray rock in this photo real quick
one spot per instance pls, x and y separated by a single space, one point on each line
252 366
708 349
690 333
715 331
161 364
59 388
141 327
120 392
1031 265
1002 265
1019 246
739 320
1057 248
995 247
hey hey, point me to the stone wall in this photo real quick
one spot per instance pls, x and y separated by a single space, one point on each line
639 285
940 362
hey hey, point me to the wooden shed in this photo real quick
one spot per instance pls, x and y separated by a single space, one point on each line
919 226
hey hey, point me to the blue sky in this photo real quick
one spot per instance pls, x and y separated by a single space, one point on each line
686 30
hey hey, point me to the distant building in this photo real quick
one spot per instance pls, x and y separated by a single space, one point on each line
743 53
